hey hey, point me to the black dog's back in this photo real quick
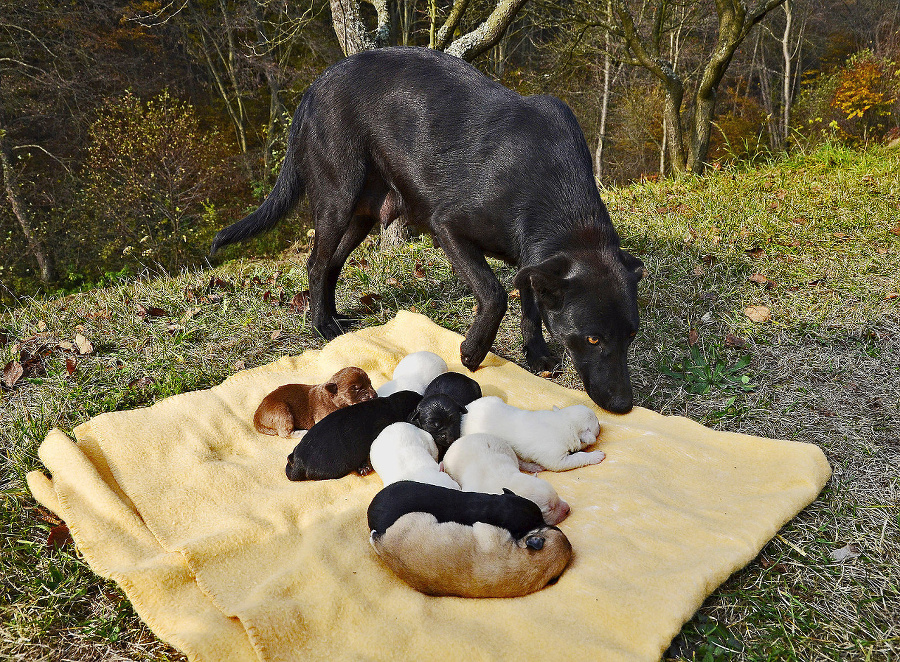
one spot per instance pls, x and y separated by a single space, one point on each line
339 444
461 388
509 511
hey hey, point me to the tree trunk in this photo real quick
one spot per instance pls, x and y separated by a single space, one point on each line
44 260
604 104
349 28
786 83
674 95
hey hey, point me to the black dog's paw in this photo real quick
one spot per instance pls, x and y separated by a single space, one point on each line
541 362
333 327
471 355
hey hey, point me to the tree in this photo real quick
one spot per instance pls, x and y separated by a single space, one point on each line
645 41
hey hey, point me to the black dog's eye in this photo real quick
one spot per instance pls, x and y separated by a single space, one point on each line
632 334
593 340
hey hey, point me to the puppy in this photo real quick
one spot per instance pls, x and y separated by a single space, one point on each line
441 416
478 561
485 463
404 452
340 442
300 406
550 439
507 510
459 387
414 372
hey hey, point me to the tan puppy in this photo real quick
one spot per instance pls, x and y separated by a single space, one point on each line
299 406
479 561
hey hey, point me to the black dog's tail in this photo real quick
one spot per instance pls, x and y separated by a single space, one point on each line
284 196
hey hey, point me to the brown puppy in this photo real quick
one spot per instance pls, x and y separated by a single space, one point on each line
479 561
299 406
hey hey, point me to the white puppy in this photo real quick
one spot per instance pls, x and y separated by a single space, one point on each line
485 463
404 452
551 439
414 372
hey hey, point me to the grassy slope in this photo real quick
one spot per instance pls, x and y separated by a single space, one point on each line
825 368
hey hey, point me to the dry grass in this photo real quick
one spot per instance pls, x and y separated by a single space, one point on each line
826 370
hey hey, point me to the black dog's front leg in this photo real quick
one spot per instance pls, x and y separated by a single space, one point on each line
475 272
537 354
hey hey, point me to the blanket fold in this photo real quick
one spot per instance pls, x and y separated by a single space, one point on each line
187 507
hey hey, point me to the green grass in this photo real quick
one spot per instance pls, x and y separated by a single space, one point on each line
825 369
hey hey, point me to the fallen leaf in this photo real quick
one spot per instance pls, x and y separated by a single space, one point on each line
698 270
758 313
369 300
545 374
141 382
300 302
71 364
693 337
758 278
392 282
216 283
42 325
59 536
708 259
66 346
84 345
774 205
174 328
12 372
419 271
360 262
844 553
276 334
892 295
239 365
515 294
734 341
896 229
780 194
755 252
47 516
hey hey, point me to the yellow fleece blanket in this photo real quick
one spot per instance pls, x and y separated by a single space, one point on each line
187 507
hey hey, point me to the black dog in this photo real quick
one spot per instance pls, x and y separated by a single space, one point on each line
417 132
459 387
441 416
339 444
509 511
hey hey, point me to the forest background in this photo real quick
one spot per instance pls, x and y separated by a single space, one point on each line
132 131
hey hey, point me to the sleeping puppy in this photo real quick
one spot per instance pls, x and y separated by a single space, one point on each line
404 452
544 439
459 387
478 561
441 416
485 463
508 511
300 406
340 442
414 372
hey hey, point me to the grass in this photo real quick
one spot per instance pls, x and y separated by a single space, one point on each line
821 227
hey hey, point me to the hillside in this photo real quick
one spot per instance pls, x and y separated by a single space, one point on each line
808 245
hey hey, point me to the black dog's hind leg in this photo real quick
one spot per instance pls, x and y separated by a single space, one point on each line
473 269
338 232
537 354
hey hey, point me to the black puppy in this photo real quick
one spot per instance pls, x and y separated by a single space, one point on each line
509 511
459 387
339 444
441 416
514 180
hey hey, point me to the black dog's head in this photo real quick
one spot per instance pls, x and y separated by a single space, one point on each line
441 416
588 301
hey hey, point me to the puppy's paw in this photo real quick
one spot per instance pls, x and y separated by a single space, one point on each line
365 470
530 467
297 434
594 457
540 362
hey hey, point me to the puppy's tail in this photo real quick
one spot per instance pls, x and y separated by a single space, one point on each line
284 196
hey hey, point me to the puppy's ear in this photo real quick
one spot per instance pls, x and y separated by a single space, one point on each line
555 408
506 490
414 418
633 264
534 542
463 410
331 387
546 279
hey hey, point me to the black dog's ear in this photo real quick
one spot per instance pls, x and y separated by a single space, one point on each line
463 410
546 279
332 388
414 418
506 490
633 264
